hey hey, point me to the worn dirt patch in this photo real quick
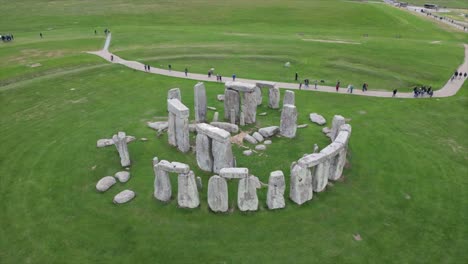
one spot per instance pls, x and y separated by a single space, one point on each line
238 139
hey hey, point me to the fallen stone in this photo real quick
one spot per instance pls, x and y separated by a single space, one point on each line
143 139
109 142
159 126
120 142
276 188
260 147
211 108
247 152
268 131
234 173
232 128
250 139
105 183
220 97
267 142
258 136
263 114
217 194
124 196
122 176
302 126
318 119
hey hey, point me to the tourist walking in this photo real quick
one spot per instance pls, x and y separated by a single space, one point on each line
394 92
350 88
209 74
112 57
186 71
296 77
234 77
337 86
149 68
40 34
300 85
364 87
466 74
306 83
315 83
170 67
95 32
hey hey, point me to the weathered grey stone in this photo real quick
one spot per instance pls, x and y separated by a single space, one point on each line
268 131
203 152
288 126
200 102
187 195
276 188
318 119
199 183
215 117
174 93
263 114
120 142
267 142
222 155
171 134
211 108
177 108
124 196
250 139
289 98
242 119
265 84
247 199
232 116
174 167
182 134
232 128
234 173
240 86
217 194
301 184
342 137
159 126
162 184
122 176
273 97
260 147
311 160
345 127
105 183
316 148
247 152
231 101
337 122
104 142
220 97
326 130
337 164
249 104
192 127
302 126
258 136
258 95
320 176
213 132
144 139
332 149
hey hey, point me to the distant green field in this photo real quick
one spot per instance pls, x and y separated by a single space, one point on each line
441 3
403 191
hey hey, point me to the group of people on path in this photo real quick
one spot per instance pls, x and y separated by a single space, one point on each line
7 37
459 75
147 68
421 91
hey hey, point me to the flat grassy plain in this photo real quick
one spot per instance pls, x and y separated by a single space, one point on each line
404 191
442 3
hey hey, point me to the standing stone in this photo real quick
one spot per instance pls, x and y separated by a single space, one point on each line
200 102
171 135
289 98
203 152
215 117
217 194
258 95
187 195
242 119
276 188
301 184
222 155
247 199
249 105
336 124
231 101
316 148
320 177
288 124
232 116
120 142
174 93
182 134
273 97
199 183
162 184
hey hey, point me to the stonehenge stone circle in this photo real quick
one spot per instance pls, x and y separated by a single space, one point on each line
124 197
187 194
178 130
217 194
213 148
233 93
120 142
200 102
122 176
288 126
105 183
289 98
276 188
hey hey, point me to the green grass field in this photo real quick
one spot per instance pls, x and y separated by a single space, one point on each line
404 191
441 3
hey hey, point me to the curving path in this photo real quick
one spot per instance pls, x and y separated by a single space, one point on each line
449 89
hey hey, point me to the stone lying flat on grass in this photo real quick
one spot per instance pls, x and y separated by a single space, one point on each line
124 196
258 136
122 176
267 142
326 130
211 108
302 126
159 126
250 139
269 131
260 147
232 128
105 183
220 97
318 119
247 152
104 142
262 114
